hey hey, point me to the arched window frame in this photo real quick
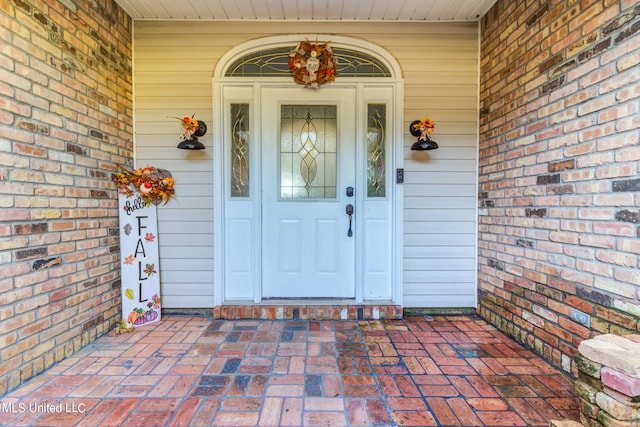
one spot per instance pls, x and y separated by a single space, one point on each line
361 48
274 62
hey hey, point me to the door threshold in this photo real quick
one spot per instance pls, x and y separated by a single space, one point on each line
308 310
307 301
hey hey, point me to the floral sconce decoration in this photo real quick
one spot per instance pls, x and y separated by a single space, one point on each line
191 130
154 185
312 64
423 130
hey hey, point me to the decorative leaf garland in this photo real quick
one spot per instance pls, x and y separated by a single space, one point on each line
312 64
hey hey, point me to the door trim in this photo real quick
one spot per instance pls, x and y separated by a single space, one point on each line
395 146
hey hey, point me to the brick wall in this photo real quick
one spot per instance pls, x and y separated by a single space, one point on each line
559 192
65 122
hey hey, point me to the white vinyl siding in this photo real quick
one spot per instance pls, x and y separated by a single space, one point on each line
173 70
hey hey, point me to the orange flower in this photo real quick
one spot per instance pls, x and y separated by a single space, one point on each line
426 125
189 122
189 127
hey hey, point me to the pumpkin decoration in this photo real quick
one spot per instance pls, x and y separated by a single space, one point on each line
133 316
140 316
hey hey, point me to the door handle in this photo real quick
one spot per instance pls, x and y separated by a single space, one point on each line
349 210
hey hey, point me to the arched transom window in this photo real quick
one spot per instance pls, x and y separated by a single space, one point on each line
274 62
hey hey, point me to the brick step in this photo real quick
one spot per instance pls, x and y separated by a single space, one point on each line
307 312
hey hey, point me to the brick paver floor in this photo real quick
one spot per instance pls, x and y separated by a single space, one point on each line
192 371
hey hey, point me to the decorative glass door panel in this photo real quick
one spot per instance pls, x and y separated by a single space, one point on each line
308 151
308 161
240 150
376 150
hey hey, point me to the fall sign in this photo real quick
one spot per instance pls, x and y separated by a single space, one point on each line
140 261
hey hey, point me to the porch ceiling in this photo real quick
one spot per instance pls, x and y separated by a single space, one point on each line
308 10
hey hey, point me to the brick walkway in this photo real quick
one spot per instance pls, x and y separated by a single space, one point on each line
189 371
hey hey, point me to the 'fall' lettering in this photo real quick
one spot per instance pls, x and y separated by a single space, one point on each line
129 207
140 300
139 249
140 272
140 226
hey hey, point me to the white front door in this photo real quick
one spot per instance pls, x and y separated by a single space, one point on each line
308 163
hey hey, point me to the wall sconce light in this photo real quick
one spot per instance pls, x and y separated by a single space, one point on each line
191 141
422 129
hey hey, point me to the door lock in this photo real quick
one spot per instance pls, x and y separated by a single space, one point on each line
349 191
349 211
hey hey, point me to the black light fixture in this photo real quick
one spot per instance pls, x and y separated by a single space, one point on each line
424 142
192 142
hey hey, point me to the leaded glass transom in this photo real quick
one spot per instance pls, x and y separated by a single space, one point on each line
376 150
274 62
308 150
240 150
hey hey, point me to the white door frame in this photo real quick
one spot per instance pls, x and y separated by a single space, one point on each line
394 84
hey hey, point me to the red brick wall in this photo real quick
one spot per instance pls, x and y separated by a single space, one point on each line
65 122
559 190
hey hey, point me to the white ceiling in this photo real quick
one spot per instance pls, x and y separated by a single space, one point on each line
308 10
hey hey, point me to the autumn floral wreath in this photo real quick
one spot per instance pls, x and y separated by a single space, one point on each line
154 185
312 64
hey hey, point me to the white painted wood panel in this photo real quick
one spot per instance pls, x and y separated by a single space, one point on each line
425 241
430 190
439 251
186 252
435 227
437 276
192 227
185 202
308 10
184 298
192 190
175 239
173 66
439 215
444 289
194 277
240 258
445 177
451 203
185 264
167 152
435 264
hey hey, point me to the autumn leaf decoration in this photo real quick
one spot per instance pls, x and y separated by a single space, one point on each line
155 186
150 269
313 64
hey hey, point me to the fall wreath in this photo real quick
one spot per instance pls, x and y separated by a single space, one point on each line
154 185
312 64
